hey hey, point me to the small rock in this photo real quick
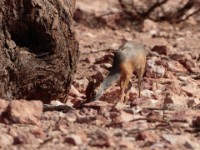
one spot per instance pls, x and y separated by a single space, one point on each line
25 138
86 119
71 116
173 101
123 117
73 139
183 78
177 139
133 110
172 139
80 83
101 120
5 140
56 103
62 125
170 75
149 25
147 93
3 105
188 63
175 66
127 144
155 116
154 70
101 138
106 65
97 67
157 146
138 123
175 88
192 90
27 112
176 56
90 59
39 133
196 122
154 33
12 132
161 49
148 136
193 102
74 92
120 106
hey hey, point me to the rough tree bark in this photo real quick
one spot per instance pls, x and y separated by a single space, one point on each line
38 49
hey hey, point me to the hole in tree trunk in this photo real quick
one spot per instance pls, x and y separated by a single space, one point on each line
33 37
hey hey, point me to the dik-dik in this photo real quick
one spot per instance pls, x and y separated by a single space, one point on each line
129 58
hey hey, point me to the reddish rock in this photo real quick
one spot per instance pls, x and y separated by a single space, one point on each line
25 112
173 101
176 139
176 56
71 116
148 136
192 102
73 139
122 117
170 75
192 91
102 138
175 66
3 106
96 67
149 25
154 70
90 59
86 119
62 125
148 93
138 123
188 63
155 116
82 135
39 133
12 132
25 138
161 49
5 140
100 120
74 92
196 122
174 88
127 144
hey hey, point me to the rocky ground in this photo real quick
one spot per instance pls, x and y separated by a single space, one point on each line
167 116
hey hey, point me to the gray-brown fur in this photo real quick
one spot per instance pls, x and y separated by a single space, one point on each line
131 53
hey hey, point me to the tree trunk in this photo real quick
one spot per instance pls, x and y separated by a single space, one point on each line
38 49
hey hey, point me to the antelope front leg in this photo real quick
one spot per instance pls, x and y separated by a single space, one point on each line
124 86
